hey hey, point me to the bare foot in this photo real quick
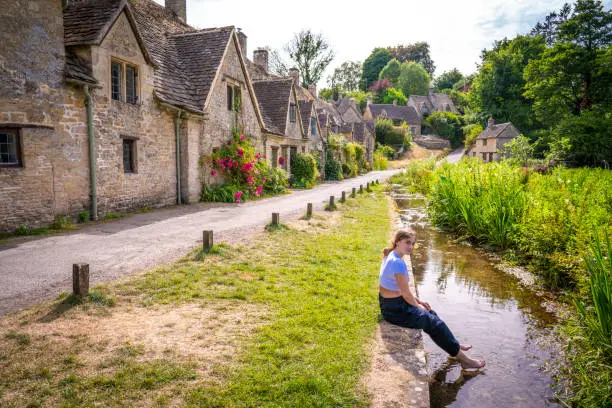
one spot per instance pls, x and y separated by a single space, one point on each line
465 347
468 362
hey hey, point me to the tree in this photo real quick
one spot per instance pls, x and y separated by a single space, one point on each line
575 74
391 72
390 95
548 28
447 80
447 125
311 54
417 52
373 65
413 79
347 77
498 86
518 151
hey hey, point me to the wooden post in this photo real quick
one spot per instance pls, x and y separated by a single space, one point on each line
331 202
80 279
343 199
275 219
353 193
361 189
207 240
309 210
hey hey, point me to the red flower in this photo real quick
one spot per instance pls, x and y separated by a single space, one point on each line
241 137
237 196
247 166
240 152
258 190
250 180
281 160
213 172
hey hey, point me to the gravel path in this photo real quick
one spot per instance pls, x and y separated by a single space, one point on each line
38 269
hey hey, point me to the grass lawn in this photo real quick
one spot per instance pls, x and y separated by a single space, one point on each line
282 318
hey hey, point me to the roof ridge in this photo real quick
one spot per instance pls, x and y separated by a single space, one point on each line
201 31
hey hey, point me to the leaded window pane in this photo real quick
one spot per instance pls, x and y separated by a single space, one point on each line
8 148
127 156
116 79
130 84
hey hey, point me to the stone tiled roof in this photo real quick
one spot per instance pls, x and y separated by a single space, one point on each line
501 130
86 22
186 59
346 128
274 96
78 69
405 113
306 112
322 116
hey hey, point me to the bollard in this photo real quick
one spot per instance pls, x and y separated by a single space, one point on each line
207 240
353 193
343 198
331 206
309 211
275 219
80 279
361 189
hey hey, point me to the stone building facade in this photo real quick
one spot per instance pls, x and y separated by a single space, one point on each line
490 143
154 82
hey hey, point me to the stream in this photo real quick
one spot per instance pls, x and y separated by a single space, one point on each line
505 322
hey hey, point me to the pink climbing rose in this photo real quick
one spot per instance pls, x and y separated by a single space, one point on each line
241 137
281 160
237 196
240 151
258 190
213 172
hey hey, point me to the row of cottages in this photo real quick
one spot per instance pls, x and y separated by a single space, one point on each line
416 110
344 117
110 106
489 144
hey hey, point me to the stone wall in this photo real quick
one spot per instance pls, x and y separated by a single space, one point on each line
217 128
54 177
153 182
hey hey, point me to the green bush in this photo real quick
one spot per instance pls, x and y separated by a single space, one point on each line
350 168
447 125
387 134
471 132
303 170
83 217
276 179
333 167
61 222
219 193
385 150
380 161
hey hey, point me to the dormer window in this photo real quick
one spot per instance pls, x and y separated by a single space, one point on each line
124 82
313 125
292 115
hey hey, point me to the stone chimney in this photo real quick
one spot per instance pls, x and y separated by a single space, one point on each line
312 88
260 58
394 102
242 39
178 7
369 101
295 73
490 122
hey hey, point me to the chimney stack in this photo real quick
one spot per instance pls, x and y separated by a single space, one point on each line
178 7
295 73
490 122
242 39
394 102
260 58
312 88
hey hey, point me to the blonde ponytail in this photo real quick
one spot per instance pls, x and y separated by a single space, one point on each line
399 235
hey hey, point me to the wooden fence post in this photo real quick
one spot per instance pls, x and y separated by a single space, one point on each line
80 279
353 193
309 211
275 219
207 240
343 198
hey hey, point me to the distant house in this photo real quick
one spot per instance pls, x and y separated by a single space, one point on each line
399 114
492 140
433 102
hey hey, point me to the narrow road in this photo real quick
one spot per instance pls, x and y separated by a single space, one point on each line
454 156
37 269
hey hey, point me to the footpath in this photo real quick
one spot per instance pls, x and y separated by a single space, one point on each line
35 269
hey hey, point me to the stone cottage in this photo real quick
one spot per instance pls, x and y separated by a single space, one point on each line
491 141
111 105
433 102
399 114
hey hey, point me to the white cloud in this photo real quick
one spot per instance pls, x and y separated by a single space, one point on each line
456 31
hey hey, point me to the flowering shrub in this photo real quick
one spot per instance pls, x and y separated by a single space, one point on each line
281 161
246 172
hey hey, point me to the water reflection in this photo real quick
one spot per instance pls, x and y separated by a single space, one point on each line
505 322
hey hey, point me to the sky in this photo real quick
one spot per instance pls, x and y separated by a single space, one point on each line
457 31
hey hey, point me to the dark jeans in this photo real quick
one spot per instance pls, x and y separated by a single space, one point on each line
399 312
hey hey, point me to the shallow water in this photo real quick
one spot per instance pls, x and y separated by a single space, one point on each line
504 321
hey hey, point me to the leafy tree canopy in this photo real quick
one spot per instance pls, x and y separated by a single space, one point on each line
310 52
448 80
373 65
390 95
413 79
417 52
391 72
347 77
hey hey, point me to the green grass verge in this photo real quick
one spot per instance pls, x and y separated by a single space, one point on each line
318 288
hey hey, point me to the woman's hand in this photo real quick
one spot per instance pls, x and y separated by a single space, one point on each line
424 304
